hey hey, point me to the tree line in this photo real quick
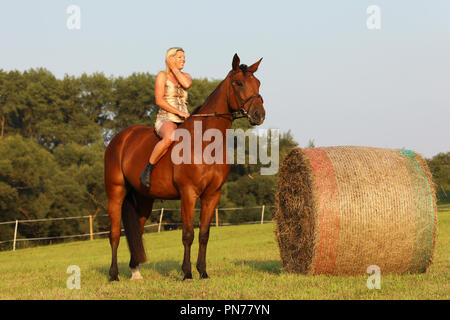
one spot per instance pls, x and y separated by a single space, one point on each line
53 134
440 169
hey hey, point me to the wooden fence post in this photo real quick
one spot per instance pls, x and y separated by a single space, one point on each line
91 229
15 235
217 217
262 214
160 219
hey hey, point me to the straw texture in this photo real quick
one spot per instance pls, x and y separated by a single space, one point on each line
342 209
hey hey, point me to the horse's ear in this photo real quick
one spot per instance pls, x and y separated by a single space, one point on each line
236 62
254 66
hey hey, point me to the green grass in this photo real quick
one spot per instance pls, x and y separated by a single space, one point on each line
243 263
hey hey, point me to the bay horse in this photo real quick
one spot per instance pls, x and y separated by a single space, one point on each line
128 152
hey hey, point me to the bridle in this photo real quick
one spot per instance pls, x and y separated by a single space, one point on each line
241 113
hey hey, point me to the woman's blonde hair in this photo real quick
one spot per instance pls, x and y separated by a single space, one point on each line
170 53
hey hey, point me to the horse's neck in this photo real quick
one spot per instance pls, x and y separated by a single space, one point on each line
216 102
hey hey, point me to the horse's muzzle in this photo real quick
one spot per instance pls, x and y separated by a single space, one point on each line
256 116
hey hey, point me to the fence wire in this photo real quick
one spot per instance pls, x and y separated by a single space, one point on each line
159 225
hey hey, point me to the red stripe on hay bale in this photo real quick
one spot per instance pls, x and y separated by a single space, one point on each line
328 216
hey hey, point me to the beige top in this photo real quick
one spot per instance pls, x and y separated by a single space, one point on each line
177 97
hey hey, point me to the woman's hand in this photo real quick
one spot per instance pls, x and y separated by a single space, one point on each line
171 63
183 114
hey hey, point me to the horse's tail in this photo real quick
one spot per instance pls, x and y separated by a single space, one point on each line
131 224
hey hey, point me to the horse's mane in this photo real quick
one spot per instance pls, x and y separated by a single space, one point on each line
196 110
243 68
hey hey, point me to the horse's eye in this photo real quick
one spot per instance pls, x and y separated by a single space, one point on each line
239 83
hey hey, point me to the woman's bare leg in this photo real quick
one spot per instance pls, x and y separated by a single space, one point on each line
166 132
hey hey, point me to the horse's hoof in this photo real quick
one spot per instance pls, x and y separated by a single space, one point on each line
187 277
136 275
113 278
137 279
204 275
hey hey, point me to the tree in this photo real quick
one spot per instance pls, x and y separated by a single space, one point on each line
12 101
26 171
53 134
199 91
440 169
133 102
311 144
246 187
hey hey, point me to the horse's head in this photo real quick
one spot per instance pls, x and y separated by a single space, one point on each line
244 94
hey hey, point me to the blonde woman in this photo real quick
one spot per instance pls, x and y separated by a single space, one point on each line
171 96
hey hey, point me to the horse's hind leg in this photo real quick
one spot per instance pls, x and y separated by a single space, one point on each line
116 195
144 209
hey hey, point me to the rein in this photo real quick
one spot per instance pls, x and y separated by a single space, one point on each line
242 113
235 115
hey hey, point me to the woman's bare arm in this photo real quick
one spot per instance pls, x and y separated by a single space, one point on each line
183 78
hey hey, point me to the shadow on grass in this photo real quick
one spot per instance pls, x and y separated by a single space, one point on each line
165 268
270 266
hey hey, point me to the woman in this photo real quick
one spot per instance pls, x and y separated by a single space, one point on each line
171 96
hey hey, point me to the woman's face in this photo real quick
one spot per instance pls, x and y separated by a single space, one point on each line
179 60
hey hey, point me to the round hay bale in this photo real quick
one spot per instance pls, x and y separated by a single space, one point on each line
342 209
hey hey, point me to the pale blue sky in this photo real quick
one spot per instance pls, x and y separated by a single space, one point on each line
325 75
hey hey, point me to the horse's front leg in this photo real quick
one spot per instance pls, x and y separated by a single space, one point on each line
209 203
188 200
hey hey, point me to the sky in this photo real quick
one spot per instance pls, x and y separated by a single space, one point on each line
325 75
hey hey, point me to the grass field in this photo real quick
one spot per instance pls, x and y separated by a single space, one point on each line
243 263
